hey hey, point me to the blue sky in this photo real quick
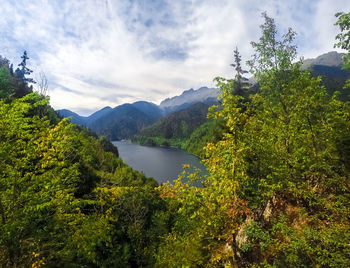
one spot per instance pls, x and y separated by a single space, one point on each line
108 52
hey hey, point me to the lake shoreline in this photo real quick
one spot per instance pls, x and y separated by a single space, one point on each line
162 163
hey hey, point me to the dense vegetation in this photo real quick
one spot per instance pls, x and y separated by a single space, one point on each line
174 128
277 193
64 200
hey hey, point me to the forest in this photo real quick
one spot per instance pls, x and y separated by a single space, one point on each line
277 193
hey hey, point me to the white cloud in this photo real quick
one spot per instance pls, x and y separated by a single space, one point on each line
97 53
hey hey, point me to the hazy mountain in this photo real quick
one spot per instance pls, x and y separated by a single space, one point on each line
329 66
331 59
189 97
97 115
126 120
121 122
76 119
150 109
84 120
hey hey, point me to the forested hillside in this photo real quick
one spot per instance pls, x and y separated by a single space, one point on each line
126 120
64 200
175 127
277 193
121 122
330 67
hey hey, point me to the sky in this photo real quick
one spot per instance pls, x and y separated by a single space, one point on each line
98 53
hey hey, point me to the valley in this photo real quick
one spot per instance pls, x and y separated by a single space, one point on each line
181 121
252 172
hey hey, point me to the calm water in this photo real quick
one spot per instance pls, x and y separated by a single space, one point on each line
161 163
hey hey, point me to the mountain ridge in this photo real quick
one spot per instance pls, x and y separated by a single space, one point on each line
328 65
123 121
189 97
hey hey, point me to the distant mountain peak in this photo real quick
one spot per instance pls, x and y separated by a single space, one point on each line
331 59
189 97
188 91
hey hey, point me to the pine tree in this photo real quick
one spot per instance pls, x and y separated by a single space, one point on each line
240 84
24 70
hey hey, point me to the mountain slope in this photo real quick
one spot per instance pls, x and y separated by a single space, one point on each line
121 122
174 127
329 66
189 97
76 119
99 114
331 59
150 109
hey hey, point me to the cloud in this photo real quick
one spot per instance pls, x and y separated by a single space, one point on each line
104 53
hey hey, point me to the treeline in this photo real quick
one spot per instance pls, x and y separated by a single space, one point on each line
177 129
277 193
191 138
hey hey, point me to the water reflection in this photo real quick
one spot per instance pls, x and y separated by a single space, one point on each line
161 163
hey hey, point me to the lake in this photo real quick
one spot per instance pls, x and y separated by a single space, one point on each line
161 163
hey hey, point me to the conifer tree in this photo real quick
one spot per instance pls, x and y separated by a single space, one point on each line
240 84
24 70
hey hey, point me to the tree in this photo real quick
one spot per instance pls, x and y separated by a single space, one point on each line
240 83
66 199
6 83
7 88
42 85
344 38
282 152
24 70
277 194
270 52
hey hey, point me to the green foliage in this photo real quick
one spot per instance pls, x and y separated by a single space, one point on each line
344 39
210 131
270 52
344 36
6 87
66 199
175 128
278 192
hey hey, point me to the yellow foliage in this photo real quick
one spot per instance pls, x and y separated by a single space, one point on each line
38 262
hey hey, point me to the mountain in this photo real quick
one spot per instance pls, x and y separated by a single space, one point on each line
189 97
174 127
76 119
331 59
126 120
121 122
150 109
329 66
99 114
